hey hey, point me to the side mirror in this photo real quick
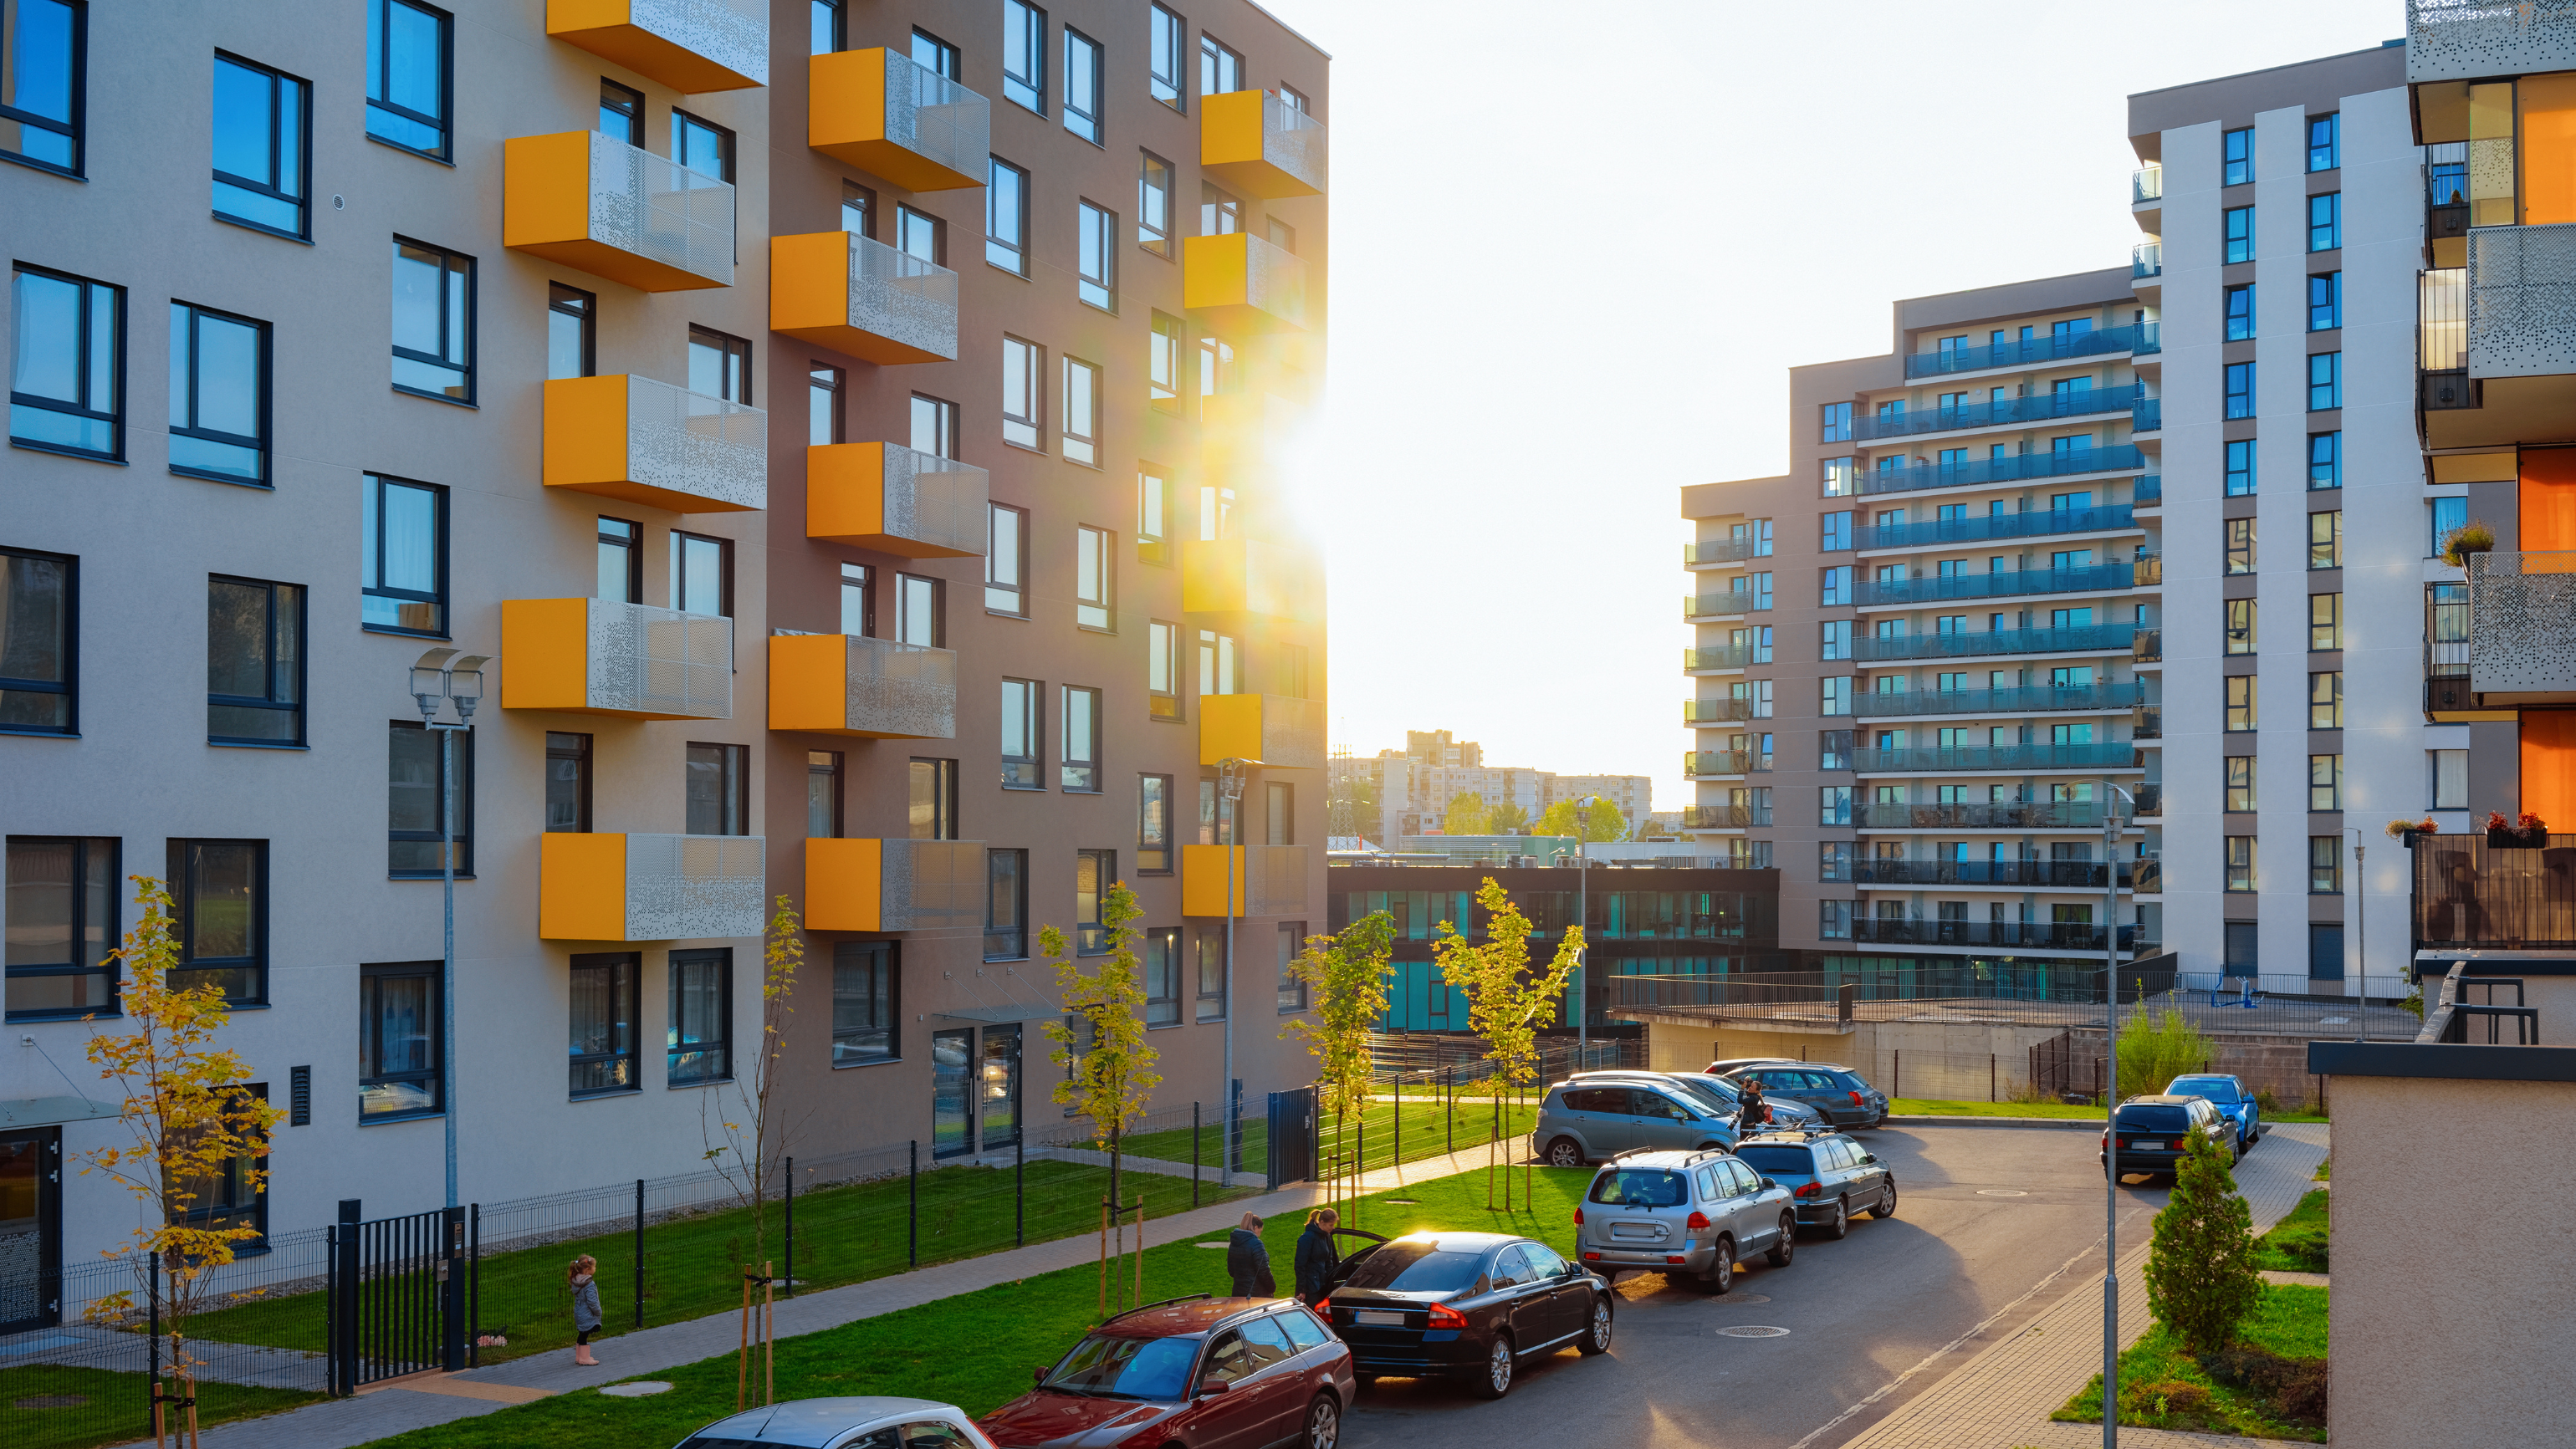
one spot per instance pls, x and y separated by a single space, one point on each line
1037 1376
1768 1184
1213 1386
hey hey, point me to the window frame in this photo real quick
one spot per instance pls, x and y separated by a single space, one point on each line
1009 939
302 199
1011 253
1095 573
2240 627
2232 247
1025 25
2237 323
733 365
573 302
1153 236
632 546
1164 695
580 755
2332 121
2239 865
2240 482
2326 235
858 584
1082 413
1023 417
713 1049
882 961
1292 990
372 530
826 765
1006 597
1167 58
2236 390
1166 343
831 16
86 369
2330 788
264 392
1160 950
2325 622
296 704
943 801
67 647
449 310
2238 784
1080 715
1090 936
184 861
460 824
1215 58
1209 1005
2325 461
2240 704
624 987
107 970
1154 795
2331 544
2327 395
732 776
625 101
2332 704
75 129
680 586
1025 698
2325 876
946 426
1095 273
371 1027
1079 76
946 60
920 599
2236 156
379 75
2331 309
728 146
826 404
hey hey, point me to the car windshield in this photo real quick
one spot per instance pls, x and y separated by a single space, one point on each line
1707 1095
2153 1119
1415 1265
2216 1089
1127 1368
1641 1187
1775 1161
1718 1087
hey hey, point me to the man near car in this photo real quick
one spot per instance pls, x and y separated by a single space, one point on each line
1247 1261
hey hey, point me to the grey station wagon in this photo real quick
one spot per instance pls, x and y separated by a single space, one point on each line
1829 1176
1688 1215
1586 1121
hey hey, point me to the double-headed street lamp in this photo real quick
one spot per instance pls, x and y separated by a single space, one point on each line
441 675
2112 795
1583 919
1230 775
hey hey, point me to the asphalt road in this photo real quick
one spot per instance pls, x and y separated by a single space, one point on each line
1992 1223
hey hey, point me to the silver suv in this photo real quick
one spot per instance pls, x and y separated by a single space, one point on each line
1594 1115
1688 1215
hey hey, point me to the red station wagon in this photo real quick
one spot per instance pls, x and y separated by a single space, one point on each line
1242 1373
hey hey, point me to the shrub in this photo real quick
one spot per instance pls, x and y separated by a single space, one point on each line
2153 1053
2468 538
2165 1404
2296 1387
2201 1280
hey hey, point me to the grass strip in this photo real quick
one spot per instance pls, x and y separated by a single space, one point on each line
1423 1126
2297 1243
2289 1320
119 1408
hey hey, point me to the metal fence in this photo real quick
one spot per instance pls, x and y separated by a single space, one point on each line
2473 893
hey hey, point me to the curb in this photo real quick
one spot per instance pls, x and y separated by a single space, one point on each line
2079 1124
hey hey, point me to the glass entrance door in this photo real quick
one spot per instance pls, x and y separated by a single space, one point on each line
31 1228
1000 1087
952 1103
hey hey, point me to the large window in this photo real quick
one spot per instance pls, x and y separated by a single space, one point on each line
1021 701
2325 700
2240 468
2238 386
826 418
1154 204
398 1041
2325 622
2242 703
1006 218
1081 412
260 147
219 367
2450 779
823 794
1096 256
1211 986
221 891
1162 977
1094 872
1081 739
931 798
702 146
254 662
2239 312
2325 461
1006 550
1095 578
1083 84
402 567
701 574
1220 664
2236 157
2325 141
719 365
2325 221
409 66
2240 783
1292 986
572 332
867 1003
2325 865
936 55
2325 380
2240 863
1006 905
605 1032
38 643
1166 52
1023 379
63 927
1153 825
719 789
1024 59
67 362
43 79
433 321
2325 301
934 426
621 560
1220 67
416 759
2325 782
2236 234
567 781
918 612
698 1045
2241 626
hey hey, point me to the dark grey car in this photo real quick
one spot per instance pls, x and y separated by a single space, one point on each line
1835 1093
1829 1177
1589 1120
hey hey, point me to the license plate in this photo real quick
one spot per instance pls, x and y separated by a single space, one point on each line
1377 1315
2148 1146
1635 1230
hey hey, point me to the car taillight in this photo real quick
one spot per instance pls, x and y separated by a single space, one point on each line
1699 1222
1578 1217
1811 1189
1856 1101
1444 1317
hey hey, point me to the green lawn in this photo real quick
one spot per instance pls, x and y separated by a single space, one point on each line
2297 1243
843 1235
974 1350
1427 1127
2290 1321
2321 1169
119 1407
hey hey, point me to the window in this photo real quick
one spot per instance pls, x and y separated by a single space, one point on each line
2241 638
408 72
2240 468
1216 824
1835 586
2325 221
621 561
1006 218
604 1027
936 56
261 143
719 366
218 395
2450 515
2325 138
1152 520
2240 782
1081 735
1162 977
2239 384
1837 696
2325 461
1291 986
1020 734
1283 236
829 26
2236 234
701 146
2325 301
1082 85
822 794
1837 428
1219 669
1219 214
254 662
1833 804
39 641
2325 540
433 321
2240 312
2240 863
1006 539
2242 713
718 789
402 574
1168 43
1220 68
1162 669
2450 779
1834 919
826 420
63 928
1023 369
2325 860
2240 951
2325 782
1006 905
920 235
1836 531
398 1041
2325 380
2236 158
43 81
567 782
1841 479
698 1047
858 600
1024 46
931 787
1154 205
919 610
1837 640
1217 374
1096 281
1833 749
416 784
867 1002
2325 621
1288 675
67 370
701 574
220 888
1163 365
1094 872
858 209
1094 573
1154 824
1211 994
572 345
2240 545
621 113
1081 412
2325 700
1216 514
934 426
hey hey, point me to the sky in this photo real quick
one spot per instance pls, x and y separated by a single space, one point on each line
1574 249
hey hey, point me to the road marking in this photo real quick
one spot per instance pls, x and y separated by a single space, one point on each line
2001 1192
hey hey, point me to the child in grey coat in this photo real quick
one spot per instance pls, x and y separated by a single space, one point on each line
583 1278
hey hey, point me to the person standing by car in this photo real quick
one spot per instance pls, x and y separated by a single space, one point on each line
582 1277
1316 1259
1247 1261
1756 1111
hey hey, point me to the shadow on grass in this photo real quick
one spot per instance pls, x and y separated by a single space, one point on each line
118 1406
2164 1387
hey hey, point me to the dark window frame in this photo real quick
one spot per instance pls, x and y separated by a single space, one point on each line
184 860
687 1038
378 18
580 755
468 277
1083 448
2332 148
833 14
1009 253
69 686
1017 605
1090 937
558 298
1031 424
2331 309
1026 771
85 367
826 388
727 143
1149 846
2327 235
1096 231
1093 128
736 352
680 541
625 101
263 443
302 199
1071 769
107 968
624 987
1294 994
1163 1010
632 545
1168 27
1006 941
1151 237
732 783
372 505
302 667
226 1209
883 961
943 797
371 1041
830 765
1027 87
461 826
946 61
76 130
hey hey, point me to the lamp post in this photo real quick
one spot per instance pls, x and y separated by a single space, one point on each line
1583 920
2360 912
2111 796
441 675
1230 774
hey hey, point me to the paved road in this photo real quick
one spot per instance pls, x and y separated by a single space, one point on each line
1859 1312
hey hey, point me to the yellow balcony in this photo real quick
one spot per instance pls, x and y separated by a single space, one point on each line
632 661
862 297
1245 576
1279 732
1242 284
892 499
649 887
692 46
1243 433
894 885
641 441
1255 143
1269 880
891 116
612 210
849 684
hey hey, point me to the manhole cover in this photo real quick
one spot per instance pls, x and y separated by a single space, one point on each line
640 1390
50 1401
2001 1192
1753 1330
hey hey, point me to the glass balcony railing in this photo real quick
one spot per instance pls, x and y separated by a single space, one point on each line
2011 468
2110 755
2035 351
2000 815
887 497
2036 408
2146 259
2029 523
2074 639
1724 817
2012 583
855 884
863 297
2149 644
2147 416
891 116
1730 604
1724 656
1273 730
1715 711
640 440
849 684
599 887
2000 701
2147 491
1701 763
587 200
2077 873
2147 183
1241 283
1723 550
2050 935
605 657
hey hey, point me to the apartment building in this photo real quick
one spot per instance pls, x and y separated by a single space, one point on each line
860 490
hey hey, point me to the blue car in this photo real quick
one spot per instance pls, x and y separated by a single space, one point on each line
2231 1099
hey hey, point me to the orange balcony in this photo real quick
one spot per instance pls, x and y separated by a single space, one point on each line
588 201
862 297
1279 732
1245 576
1269 880
891 116
692 46
1242 284
1258 144
849 684
630 661
892 499
649 887
894 885
641 441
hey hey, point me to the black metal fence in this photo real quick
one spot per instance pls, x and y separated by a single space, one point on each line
2477 891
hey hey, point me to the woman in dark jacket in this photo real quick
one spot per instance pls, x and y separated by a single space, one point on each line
1316 1259
1247 1260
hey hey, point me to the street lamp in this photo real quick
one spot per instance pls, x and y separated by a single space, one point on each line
1230 775
2111 796
1583 920
442 675
2360 913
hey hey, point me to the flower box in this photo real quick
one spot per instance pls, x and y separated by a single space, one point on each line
2512 838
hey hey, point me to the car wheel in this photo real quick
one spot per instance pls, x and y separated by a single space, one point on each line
1886 1203
1787 1245
1838 1226
1720 1277
1323 1423
1597 1339
1496 1380
1565 1152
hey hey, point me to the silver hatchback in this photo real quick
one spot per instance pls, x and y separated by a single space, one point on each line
1688 1215
1589 1119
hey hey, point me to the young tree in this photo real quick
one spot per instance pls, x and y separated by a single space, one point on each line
1109 1071
1466 815
2201 1279
1349 978
1505 818
1607 823
191 1130
747 1154
1506 1002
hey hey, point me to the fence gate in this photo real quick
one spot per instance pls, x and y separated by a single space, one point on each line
397 1295
1292 1136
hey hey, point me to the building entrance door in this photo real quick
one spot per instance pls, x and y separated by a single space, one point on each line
31 1229
999 1089
952 1098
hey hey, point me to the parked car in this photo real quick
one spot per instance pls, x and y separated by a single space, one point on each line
1687 1215
1725 1090
872 1422
1829 1176
1195 1370
1836 1093
1592 1118
1473 1306
2229 1096
2155 1132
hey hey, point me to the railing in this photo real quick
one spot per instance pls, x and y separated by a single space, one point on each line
2148 646
1723 656
1999 701
2522 620
2037 408
2012 468
2151 800
2028 523
2147 724
2147 183
2103 755
897 295
1723 550
1715 711
2031 815
2068 873
2055 935
2149 491
1724 817
2099 578
2520 308
2473 895
2147 416
2474 39
2146 259
2074 639
2442 325
1724 762
2095 342
1718 606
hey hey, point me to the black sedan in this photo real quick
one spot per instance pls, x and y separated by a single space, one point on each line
1465 1305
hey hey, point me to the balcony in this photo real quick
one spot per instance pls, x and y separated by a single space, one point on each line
2015 468
2147 183
849 684
2060 874
2039 408
645 442
2479 39
2029 523
2012 583
894 885
613 210
1724 817
2147 724
1997 759
2146 259
1726 658
1733 604
650 887
1241 285
2150 801
1716 551
1901 703
2148 492
2522 299
1723 764
1267 880
2076 639
2005 815
1246 576
2522 627
2148 416
890 116
862 297
1273 730
2148 646
2048 935
632 661
1703 712
889 498
1256 144
692 46
2471 895
2035 351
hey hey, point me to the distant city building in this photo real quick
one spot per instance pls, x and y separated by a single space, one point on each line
1407 792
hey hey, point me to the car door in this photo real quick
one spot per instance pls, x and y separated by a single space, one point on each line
1599 1115
1568 1293
1233 1418
1756 1223
1522 1298
1275 1386
1658 1120
1870 1177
